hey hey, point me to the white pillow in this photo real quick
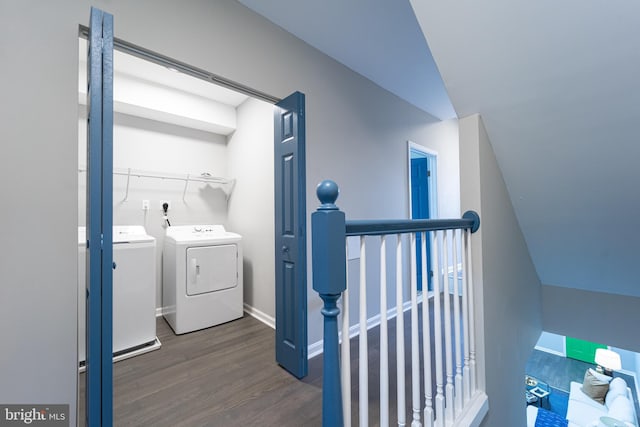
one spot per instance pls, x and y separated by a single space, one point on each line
621 409
617 387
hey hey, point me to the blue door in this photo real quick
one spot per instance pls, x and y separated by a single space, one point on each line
290 235
99 385
420 210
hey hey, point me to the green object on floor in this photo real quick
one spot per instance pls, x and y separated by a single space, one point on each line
582 350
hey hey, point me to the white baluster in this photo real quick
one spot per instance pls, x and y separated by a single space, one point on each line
465 318
384 337
437 331
456 327
362 340
415 339
400 335
345 358
426 336
447 332
472 332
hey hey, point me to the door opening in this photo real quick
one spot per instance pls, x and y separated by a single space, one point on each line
422 197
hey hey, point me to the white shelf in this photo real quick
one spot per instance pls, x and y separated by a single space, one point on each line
226 184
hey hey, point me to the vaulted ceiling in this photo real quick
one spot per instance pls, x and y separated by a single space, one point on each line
557 85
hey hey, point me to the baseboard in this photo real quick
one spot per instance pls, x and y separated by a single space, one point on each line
550 351
316 348
159 311
260 315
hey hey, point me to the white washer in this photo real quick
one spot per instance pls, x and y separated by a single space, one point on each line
134 291
201 277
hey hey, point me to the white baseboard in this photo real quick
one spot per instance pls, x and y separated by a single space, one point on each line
260 315
354 330
159 311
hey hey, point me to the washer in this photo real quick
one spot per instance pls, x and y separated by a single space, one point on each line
201 277
134 291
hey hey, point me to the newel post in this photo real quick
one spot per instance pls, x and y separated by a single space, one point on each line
329 280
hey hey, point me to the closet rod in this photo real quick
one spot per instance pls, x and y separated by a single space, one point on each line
183 67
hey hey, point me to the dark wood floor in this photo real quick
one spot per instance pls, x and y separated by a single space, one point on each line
221 376
227 376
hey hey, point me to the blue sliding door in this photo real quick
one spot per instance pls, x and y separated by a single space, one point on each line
290 235
99 380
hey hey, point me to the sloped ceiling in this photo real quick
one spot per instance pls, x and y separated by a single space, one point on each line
557 85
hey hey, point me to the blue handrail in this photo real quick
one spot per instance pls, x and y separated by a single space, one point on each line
329 230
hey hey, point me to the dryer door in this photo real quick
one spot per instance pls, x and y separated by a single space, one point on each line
211 268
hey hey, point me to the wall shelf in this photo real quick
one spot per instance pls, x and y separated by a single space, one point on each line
225 184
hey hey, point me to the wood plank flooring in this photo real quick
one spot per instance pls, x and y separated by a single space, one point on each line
221 376
227 376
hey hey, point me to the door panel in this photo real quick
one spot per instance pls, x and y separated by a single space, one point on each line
211 268
99 313
420 210
290 232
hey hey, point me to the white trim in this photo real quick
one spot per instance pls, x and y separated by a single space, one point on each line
260 315
550 351
354 330
151 347
159 311
474 411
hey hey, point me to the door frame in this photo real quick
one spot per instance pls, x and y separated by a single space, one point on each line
103 406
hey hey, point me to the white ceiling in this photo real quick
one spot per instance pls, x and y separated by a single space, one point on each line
557 84
376 38
151 72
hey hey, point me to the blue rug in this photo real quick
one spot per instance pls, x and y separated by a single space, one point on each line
558 402
549 419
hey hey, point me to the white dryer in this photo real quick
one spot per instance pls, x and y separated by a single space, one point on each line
201 277
134 292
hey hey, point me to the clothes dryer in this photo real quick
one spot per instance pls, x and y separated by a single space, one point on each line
201 277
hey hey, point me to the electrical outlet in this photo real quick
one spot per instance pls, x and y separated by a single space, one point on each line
162 202
145 205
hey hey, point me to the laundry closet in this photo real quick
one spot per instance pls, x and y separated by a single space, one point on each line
193 162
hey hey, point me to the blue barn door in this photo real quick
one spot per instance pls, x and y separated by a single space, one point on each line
290 235
420 210
99 378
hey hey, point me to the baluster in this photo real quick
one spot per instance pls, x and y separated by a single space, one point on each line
448 390
426 336
465 318
345 359
400 335
437 331
415 340
472 332
384 337
456 326
329 280
363 356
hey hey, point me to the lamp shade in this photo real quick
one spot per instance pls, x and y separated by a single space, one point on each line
608 359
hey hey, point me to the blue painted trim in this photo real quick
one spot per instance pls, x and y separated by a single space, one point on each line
94 222
390 226
99 363
473 216
329 280
107 221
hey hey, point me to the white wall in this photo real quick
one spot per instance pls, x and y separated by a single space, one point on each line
592 316
356 134
507 284
160 147
440 138
250 162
